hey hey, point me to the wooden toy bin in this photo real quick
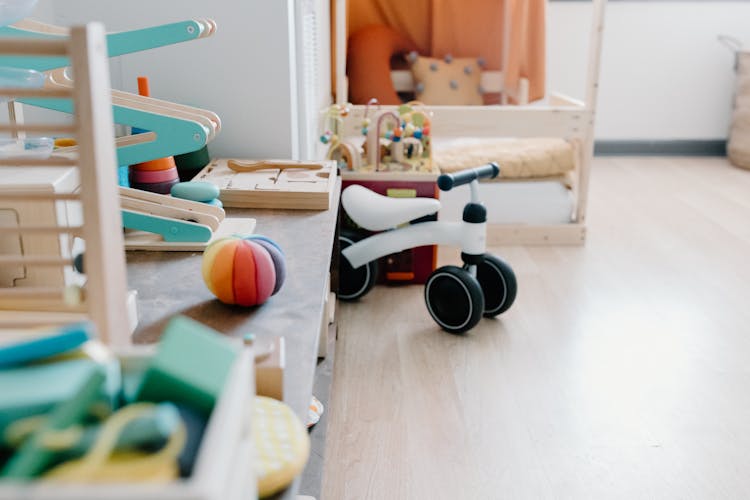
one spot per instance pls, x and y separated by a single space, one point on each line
223 467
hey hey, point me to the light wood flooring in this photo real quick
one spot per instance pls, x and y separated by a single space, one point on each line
622 371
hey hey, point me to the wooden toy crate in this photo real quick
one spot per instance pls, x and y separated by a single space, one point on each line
223 468
413 265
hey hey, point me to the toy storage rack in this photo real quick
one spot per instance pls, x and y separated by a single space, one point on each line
563 117
224 464
105 294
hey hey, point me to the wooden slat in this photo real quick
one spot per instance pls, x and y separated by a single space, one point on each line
522 234
72 230
37 47
586 151
41 93
559 99
39 128
33 292
35 260
29 319
494 121
38 195
52 161
104 240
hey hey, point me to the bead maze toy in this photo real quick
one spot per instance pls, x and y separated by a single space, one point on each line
456 297
394 141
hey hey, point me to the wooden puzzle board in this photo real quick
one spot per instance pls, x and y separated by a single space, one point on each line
273 184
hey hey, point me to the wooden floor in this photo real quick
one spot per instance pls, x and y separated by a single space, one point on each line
622 371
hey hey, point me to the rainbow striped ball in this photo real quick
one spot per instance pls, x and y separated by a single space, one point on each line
241 271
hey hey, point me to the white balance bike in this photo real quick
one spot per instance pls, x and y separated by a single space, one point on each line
456 297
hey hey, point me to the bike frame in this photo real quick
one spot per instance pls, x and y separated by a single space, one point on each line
470 237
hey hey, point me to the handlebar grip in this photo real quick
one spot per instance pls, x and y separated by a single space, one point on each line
446 182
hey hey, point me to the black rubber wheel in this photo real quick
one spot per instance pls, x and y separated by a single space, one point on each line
354 283
498 282
454 299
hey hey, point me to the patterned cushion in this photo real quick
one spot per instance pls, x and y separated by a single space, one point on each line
446 81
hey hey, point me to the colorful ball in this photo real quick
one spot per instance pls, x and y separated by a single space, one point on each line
242 271
279 264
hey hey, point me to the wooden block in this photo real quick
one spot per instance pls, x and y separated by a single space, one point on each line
33 457
309 187
269 372
190 367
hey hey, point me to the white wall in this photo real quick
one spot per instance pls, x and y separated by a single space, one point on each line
664 75
243 72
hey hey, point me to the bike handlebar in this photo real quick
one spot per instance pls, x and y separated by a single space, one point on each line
446 182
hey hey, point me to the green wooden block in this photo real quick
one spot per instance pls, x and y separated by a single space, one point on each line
190 367
37 389
32 458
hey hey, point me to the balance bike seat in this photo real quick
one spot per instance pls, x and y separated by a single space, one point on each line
376 212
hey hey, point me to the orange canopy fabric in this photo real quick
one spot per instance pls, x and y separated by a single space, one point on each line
468 28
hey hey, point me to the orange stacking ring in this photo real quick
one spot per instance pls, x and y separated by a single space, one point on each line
158 164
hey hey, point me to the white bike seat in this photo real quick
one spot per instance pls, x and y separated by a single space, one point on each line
376 212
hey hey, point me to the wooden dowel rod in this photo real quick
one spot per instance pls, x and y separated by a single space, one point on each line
33 292
72 230
40 128
40 93
37 195
30 318
26 47
52 161
35 260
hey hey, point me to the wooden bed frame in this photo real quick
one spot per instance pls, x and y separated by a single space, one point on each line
561 116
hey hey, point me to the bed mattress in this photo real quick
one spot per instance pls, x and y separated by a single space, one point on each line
522 202
518 158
